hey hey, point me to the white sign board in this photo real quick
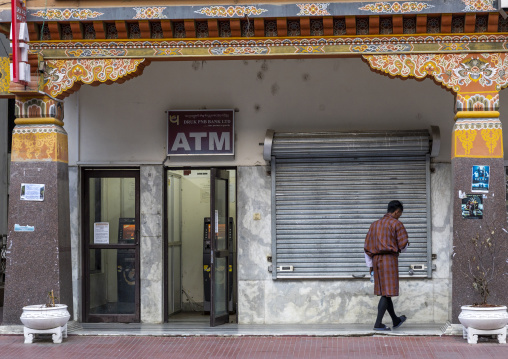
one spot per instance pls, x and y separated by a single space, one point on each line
101 233
32 192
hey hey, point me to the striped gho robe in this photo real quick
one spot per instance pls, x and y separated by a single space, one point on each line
387 237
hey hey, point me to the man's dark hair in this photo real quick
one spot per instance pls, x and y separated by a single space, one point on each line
395 205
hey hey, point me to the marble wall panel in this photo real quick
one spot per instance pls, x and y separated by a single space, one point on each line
254 236
74 206
151 244
442 219
251 305
262 300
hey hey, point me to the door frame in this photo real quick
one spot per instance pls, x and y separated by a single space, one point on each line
166 233
86 174
216 253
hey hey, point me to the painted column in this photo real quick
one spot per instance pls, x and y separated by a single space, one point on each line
38 248
477 152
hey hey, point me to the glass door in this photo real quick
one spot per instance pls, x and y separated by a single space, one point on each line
219 258
111 245
174 248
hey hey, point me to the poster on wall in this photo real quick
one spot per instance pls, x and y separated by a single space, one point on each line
472 206
32 192
480 178
101 233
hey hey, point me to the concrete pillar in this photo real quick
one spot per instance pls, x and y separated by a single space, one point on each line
39 258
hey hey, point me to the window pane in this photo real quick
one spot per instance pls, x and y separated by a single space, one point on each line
112 211
112 288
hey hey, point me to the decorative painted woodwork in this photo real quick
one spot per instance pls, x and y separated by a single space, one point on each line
39 143
37 106
477 138
38 134
476 79
472 73
344 45
5 76
66 14
62 77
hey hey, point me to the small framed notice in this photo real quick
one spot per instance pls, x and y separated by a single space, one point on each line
101 233
32 192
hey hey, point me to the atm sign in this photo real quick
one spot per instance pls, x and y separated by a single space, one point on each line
200 132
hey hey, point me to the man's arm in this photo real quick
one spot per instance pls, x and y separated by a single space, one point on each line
402 237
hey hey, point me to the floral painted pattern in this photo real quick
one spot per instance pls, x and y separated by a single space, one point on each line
251 50
67 14
62 76
230 11
455 71
313 9
152 12
479 5
396 7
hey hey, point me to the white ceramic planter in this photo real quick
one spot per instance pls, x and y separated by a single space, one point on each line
484 318
41 317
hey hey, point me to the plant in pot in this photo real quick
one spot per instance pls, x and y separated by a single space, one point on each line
483 261
49 318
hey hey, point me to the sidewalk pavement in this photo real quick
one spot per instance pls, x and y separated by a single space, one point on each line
197 340
252 347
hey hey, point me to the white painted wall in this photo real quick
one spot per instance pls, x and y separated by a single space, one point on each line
127 122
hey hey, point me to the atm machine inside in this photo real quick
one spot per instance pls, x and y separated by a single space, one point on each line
206 265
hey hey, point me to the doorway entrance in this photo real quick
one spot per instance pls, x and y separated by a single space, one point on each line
111 245
201 245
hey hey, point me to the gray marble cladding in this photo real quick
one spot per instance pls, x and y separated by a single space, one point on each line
262 300
254 236
151 243
74 206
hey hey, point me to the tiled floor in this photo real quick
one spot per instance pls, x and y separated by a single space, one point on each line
125 347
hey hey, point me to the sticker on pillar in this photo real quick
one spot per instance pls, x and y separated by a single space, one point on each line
472 206
18 228
101 233
32 192
480 178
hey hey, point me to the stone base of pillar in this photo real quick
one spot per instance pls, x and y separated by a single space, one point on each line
494 217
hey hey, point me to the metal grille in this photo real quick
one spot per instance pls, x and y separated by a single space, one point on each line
324 203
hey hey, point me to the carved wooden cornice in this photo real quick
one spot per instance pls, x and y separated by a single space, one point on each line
384 24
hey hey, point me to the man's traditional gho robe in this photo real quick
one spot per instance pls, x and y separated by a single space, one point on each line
386 238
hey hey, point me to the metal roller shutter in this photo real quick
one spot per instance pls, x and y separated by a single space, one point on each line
327 188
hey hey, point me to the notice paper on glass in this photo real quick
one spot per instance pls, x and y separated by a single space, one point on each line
32 192
101 233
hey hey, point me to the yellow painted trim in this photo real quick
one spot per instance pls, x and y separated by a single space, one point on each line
472 156
477 114
475 92
38 121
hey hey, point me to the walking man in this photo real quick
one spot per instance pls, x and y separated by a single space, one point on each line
386 238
